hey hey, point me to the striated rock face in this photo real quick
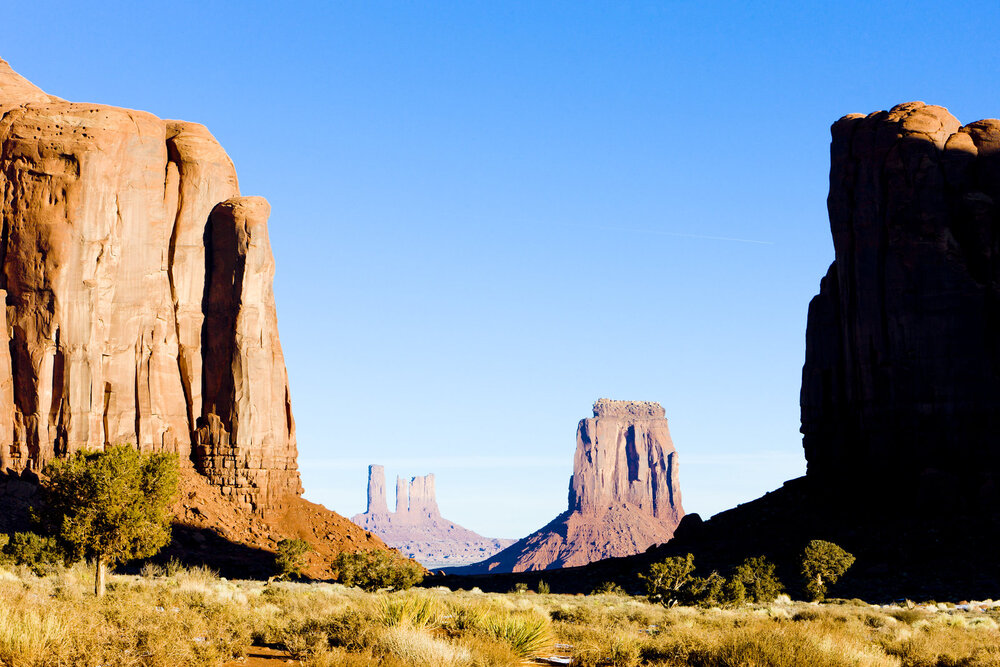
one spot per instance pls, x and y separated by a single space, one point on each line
139 307
376 491
624 495
901 381
417 528
624 455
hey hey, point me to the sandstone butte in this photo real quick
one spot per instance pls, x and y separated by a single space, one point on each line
624 495
139 309
417 528
900 401
902 368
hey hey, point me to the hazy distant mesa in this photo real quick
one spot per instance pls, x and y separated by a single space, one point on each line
417 528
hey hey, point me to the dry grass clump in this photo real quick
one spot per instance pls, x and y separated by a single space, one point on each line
27 637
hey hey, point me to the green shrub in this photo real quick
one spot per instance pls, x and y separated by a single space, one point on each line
823 563
734 592
291 558
609 588
543 587
665 581
520 588
40 554
703 591
375 570
759 580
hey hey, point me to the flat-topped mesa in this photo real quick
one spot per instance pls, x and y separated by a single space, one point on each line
139 301
606 407
901 382
625 456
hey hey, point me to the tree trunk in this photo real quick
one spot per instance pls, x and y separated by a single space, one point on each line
99 576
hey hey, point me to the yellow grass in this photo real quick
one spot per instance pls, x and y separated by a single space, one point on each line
195 618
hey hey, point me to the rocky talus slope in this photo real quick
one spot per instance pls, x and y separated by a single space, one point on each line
417 528
624 495
137 284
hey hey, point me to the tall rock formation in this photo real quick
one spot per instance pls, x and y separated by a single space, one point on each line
901 383
417 528
624 495
376 491
139 308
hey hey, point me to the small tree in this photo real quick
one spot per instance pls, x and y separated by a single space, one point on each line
374 570
666 580
759 580
822 565
291 558
109 506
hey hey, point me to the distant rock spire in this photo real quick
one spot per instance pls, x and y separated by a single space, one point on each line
417 528
376 490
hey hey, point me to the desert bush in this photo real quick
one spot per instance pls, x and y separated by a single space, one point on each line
412 611
823 563
543 587
666 580
291 558
375 570
40 554
673 581
151 570
609 588
525 634
760 583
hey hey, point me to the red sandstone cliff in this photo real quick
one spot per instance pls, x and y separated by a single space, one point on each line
137 285
624 495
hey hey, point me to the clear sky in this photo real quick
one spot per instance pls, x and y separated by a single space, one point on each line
486 215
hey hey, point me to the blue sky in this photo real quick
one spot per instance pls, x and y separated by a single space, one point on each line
487 215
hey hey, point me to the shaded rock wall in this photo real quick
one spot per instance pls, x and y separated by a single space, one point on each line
138 301
901 381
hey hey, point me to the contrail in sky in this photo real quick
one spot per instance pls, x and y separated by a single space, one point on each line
688 236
